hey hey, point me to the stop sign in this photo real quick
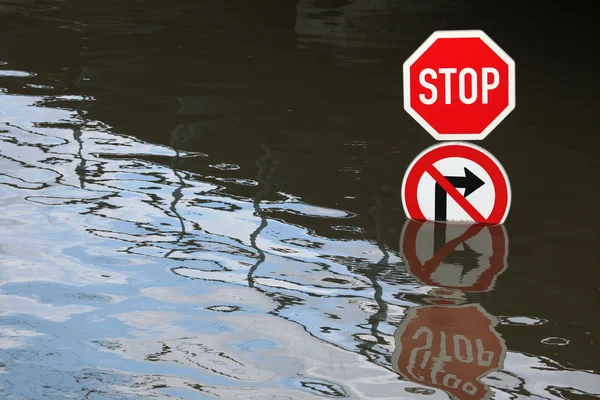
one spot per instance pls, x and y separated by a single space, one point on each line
459 85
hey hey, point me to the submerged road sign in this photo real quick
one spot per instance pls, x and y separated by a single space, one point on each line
456 182
459 85
449 348
465 257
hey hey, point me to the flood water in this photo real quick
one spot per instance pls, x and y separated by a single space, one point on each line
200 199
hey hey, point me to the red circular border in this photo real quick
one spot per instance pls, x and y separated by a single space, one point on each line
414 174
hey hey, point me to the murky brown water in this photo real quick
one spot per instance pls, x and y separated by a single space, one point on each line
200 200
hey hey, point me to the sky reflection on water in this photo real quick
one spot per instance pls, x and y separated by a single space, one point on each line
124 277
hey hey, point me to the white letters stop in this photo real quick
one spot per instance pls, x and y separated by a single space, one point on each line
490 78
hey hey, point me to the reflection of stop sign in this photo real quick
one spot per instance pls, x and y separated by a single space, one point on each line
449 348
459 85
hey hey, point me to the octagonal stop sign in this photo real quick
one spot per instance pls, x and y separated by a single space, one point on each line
459 85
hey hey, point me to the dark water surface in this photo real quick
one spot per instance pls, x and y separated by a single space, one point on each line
200 200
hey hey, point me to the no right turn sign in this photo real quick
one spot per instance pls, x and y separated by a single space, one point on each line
456 181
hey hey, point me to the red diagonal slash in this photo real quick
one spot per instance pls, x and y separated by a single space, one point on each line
455 194
449 247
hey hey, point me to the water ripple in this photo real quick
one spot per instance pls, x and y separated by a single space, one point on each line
126 277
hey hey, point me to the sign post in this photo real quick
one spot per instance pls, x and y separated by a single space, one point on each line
458 85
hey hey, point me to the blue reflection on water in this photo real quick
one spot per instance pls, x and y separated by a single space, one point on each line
125 277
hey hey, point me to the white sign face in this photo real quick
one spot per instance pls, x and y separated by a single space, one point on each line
456 182
466 257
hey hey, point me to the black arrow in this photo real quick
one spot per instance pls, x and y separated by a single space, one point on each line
470 182
467 258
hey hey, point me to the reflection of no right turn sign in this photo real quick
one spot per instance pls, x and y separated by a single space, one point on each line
465 257
456 181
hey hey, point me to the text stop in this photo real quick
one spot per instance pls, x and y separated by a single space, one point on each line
471 84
